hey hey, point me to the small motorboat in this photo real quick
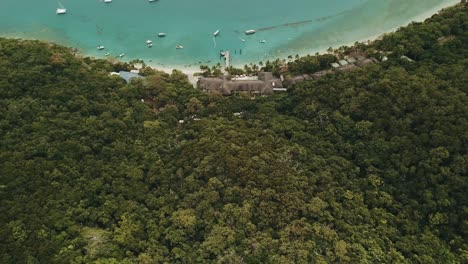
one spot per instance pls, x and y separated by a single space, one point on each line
61 11
179 47
152 1
107 54
161 35
149 42
216 33
100 47
150 45
250 32
107 1
121 55
262 41
243 40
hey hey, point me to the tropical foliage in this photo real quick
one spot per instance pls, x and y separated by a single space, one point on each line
368 166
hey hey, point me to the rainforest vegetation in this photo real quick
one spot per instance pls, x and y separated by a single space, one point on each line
366 166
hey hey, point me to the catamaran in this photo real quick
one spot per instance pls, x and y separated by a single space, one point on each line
216 33
250 32
61 10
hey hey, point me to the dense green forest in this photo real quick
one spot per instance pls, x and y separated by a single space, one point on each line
367 166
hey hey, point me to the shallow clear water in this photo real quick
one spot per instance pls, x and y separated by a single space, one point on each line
288 27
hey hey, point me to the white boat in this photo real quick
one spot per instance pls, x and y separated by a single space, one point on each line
107 1
162 34
150 45
100 47
179 47
107 54
243 40
216 33
121 55
149 42
152 1
262 41
250 32
61 10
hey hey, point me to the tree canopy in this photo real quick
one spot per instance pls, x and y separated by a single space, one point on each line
367 166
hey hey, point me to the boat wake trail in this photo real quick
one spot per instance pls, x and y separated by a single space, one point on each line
299 23
214 41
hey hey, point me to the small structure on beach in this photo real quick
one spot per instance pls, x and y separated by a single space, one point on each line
265 84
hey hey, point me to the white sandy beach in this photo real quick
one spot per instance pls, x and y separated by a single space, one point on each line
190 70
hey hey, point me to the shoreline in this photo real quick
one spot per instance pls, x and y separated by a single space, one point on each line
190 70
420 18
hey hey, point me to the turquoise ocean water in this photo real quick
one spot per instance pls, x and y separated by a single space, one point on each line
288 27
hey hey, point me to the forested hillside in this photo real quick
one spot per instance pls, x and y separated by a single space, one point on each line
367 166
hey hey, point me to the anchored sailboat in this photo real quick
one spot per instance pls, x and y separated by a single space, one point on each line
61 10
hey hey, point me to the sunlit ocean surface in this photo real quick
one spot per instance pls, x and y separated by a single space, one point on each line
286 27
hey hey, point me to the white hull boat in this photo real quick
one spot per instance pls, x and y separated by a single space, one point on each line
60 10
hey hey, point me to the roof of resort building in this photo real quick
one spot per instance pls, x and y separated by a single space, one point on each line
335 65
342 62
264 84
129 75
350 60
364 62
319 74
347 67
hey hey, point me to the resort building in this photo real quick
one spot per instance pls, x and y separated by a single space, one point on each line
264 84
347 64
